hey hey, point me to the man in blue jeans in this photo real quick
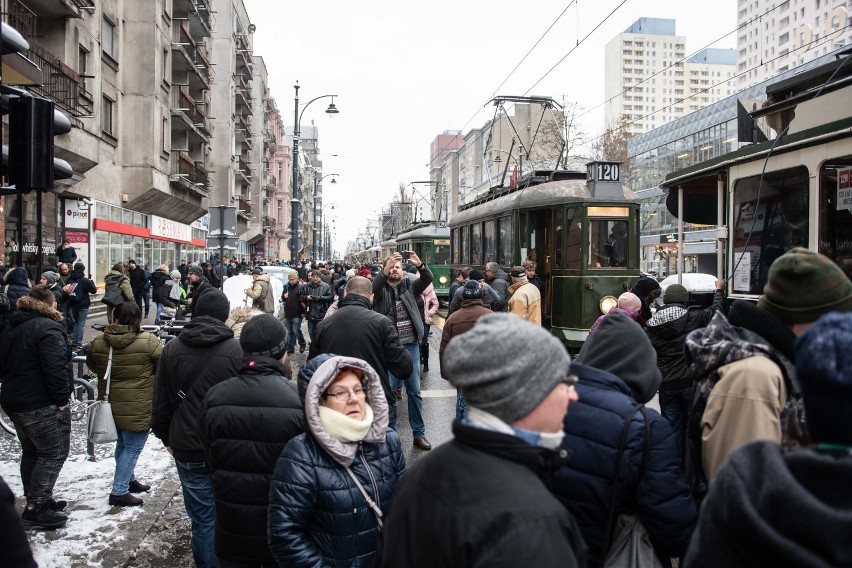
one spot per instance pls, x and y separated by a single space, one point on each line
293 312
204 354
395 296
35 369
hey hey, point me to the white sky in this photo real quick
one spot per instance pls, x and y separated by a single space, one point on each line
407 71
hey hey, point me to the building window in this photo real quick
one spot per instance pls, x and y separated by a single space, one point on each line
107 108
165 135
82 61
166 65
108 38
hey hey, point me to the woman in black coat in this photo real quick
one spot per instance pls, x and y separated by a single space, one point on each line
318 514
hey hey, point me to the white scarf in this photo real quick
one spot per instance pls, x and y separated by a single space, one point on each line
343 428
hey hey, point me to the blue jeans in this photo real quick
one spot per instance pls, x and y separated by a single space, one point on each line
45 436
159 311
294 332
674 405
127 450
461 404
412 390
80 315
137 297
197 484
312 328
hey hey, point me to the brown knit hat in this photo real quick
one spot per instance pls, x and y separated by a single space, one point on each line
803 285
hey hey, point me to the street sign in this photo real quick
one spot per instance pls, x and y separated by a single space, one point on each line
227 243
223 221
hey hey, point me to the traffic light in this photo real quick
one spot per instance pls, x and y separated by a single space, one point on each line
33 122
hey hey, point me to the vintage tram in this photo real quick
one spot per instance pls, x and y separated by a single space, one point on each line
581 229
794 190
431 242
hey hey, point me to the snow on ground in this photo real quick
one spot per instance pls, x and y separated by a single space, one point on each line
93 525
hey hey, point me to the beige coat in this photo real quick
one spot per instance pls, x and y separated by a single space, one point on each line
261 294
525 302
744 406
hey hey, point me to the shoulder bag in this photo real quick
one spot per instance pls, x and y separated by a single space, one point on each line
370 503
101 425
628 543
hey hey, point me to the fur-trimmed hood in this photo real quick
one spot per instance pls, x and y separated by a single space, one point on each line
323 376
30 304
239 317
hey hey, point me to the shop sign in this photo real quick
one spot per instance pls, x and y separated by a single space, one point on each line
76 214
168 229
844 189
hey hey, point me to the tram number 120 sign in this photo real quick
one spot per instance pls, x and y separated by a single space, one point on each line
604 171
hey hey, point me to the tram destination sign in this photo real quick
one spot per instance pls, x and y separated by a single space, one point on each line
844 189
604 171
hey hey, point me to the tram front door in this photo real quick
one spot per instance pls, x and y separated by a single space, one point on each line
537 245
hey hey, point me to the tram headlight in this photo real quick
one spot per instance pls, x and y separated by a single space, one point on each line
607 303
442 279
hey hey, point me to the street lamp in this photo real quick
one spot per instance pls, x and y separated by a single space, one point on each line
316 228
296 194
319 212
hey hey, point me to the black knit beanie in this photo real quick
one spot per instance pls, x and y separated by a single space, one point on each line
804 285
212 303
264 335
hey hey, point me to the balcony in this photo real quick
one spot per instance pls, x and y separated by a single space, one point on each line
58 82
58 8
189 174
198 13
189 115
189 59
244 55
269 223
243 130
244 205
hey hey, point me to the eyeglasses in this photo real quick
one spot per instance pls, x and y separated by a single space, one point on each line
343 396
571 381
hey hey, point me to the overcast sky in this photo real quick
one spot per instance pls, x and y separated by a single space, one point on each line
407 71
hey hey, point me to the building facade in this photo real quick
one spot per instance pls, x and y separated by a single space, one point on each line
775 36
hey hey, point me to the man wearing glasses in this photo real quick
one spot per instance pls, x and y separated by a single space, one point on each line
479 500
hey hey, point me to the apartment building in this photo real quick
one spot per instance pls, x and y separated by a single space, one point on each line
775 36
651 79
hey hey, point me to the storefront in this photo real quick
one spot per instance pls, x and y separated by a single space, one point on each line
34 252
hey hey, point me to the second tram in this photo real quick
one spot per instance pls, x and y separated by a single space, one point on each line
431 242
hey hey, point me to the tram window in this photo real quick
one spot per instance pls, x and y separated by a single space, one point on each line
421 252
476 243
574 240
506 257
835 214
456 243
767 224
442 254
608 243
465 245
490 244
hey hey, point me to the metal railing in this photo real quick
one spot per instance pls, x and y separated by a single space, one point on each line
184 168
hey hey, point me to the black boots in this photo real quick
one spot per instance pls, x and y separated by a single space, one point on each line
424 356
126 500
137 487
42 517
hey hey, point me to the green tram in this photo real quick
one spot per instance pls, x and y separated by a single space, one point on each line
431 242
580 229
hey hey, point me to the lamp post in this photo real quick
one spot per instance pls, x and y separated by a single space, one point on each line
295 183
316 228
319 212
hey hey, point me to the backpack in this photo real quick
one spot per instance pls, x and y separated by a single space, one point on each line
114 296
77 292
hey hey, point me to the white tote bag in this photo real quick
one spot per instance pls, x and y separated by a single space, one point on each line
101 424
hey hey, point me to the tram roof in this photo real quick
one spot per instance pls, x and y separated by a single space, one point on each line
542 195
428 231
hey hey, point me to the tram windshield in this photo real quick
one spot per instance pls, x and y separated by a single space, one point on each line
608 243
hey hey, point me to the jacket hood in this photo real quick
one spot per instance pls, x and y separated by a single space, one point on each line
29 307
767 325
669 322
501 275
263 278
119 336
17 277
203 331
113 277
620 346
322 377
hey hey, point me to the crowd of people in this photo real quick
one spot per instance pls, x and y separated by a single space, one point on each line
553 462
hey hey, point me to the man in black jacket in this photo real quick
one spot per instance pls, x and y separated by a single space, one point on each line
35 367
244 424
395 297
204 354
355 330
317 296
138 280
479 500
79 301
198 285
667 330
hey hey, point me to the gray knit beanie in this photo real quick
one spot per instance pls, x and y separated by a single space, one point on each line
505 365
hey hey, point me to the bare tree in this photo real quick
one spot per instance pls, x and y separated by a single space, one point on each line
565 130
612 146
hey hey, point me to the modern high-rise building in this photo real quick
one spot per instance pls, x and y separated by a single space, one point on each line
650 79
777 35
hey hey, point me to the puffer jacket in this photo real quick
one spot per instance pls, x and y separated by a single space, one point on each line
616 371
158 278
501 282
668 329
17 286
135 357
244 424
35 358
317 515
261 294
204 354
